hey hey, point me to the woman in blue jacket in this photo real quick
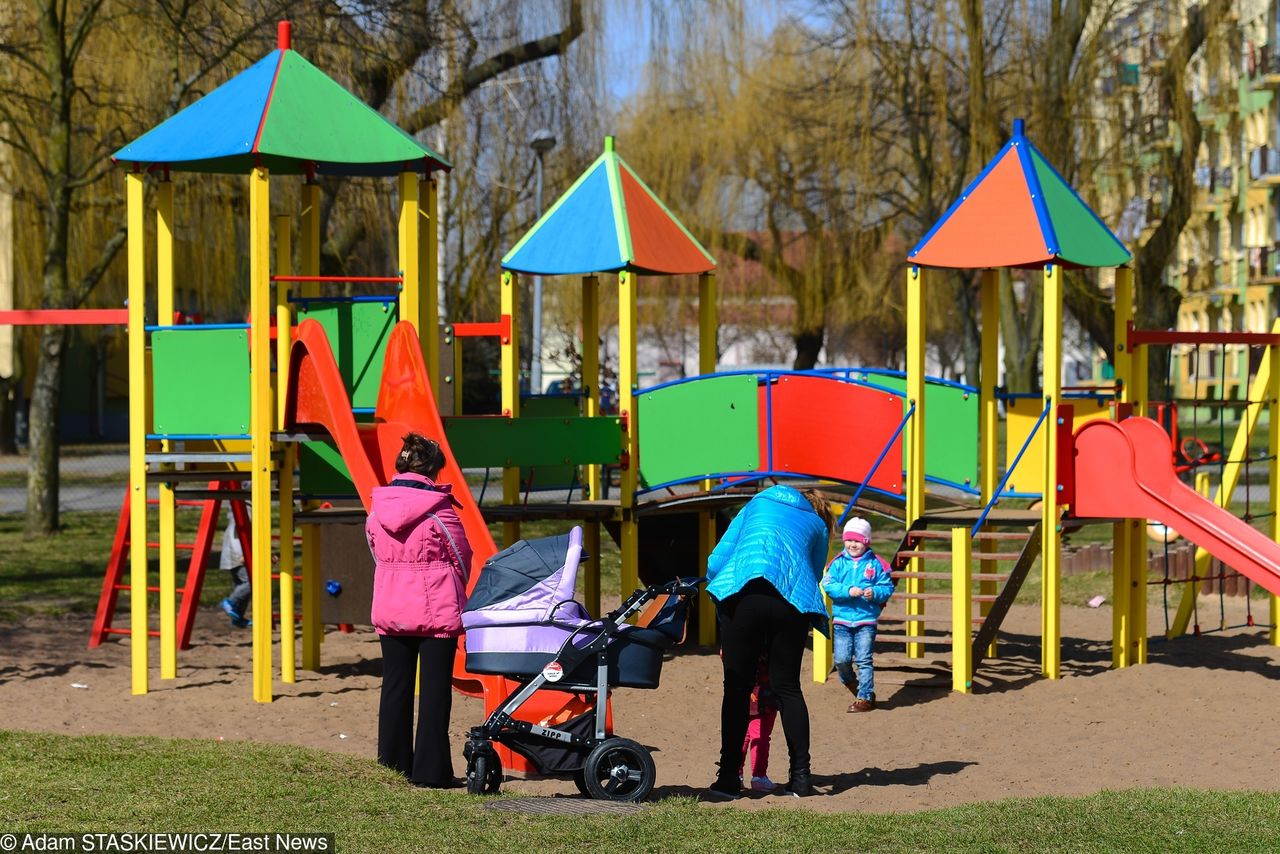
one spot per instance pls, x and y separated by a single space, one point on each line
763 576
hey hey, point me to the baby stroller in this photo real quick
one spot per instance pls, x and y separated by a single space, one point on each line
522 623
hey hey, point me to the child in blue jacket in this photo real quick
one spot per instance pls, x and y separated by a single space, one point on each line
858 583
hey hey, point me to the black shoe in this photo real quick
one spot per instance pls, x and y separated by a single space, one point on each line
725 790
798 786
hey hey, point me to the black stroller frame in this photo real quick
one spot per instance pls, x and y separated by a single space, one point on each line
604 767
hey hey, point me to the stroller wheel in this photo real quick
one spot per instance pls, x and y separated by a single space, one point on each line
618 769
580 780
484 773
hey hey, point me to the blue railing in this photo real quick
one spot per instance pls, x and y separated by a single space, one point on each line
194 327
1044 413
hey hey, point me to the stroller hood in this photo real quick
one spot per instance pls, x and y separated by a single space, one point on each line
526 581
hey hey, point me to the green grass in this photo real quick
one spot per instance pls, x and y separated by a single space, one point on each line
96 783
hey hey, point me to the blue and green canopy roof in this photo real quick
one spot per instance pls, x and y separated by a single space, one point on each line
608 221
287 115
1019 212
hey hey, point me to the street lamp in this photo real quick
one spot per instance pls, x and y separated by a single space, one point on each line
541 142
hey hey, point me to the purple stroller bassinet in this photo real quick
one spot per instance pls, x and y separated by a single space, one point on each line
521 612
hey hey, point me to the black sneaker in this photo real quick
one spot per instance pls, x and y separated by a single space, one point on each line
798 786
725 790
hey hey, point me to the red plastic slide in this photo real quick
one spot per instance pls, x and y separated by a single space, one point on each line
317 398
1123 470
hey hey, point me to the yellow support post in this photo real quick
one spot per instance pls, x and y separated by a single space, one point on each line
706 606
166 508
708 356
261 417
1051 537
284 476
961 610
1122 550
1262 388
138 392
627 378
411 308
309 259
1121 582
1138 591
914 480
1273 468
284 323
429 287
1123 359
591 585
591 367
989 426
510 306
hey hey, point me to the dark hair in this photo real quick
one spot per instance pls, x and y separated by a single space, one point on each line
420 455
820 506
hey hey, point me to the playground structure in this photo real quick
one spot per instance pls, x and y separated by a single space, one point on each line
355 373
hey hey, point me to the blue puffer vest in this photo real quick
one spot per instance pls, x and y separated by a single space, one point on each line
779 538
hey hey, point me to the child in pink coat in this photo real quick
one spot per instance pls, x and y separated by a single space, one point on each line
422 561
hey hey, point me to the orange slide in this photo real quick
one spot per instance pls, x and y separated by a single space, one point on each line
317 398
1123 469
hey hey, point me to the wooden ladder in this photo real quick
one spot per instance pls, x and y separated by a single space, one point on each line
116 578
1018 544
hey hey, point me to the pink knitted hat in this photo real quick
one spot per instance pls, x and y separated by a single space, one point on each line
858 530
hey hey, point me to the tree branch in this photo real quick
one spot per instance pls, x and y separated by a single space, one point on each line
555 44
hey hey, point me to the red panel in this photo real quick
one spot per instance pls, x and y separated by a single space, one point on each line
1066 455
657 242
66 317
996 226
833 429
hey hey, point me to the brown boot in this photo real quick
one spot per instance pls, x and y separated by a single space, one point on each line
861 705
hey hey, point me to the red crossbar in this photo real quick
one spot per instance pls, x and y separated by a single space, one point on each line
499 328
1138 337
397 279
65 317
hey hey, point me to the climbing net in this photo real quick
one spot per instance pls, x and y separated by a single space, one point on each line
1204 461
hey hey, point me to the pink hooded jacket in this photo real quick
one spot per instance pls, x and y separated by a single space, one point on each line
422 559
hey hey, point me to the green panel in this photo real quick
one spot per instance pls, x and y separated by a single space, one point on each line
200 381
488 441
322 470
358 334
1082 238
697 428
354 132
950 429
552 406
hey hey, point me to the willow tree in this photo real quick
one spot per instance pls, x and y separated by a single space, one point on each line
767 154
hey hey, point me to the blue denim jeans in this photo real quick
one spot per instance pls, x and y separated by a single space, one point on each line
852 645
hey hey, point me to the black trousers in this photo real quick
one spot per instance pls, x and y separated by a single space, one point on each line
426 760
754 622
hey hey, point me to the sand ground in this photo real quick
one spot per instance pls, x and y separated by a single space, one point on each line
1200 714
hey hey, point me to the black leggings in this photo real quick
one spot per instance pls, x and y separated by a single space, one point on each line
754 622
430 761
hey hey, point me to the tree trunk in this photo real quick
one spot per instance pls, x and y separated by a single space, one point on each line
1020 326
42 461
808 346
42 454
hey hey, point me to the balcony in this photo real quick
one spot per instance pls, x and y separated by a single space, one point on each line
1155 133
1264 264
1214 185
1262 65
1128 75
1264 167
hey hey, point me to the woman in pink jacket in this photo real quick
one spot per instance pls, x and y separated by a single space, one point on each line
422 562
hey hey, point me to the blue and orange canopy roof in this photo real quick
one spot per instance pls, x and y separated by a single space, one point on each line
608 221
1019 212
287 115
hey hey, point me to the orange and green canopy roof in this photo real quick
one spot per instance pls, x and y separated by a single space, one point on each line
1019 212
287 115
608 221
